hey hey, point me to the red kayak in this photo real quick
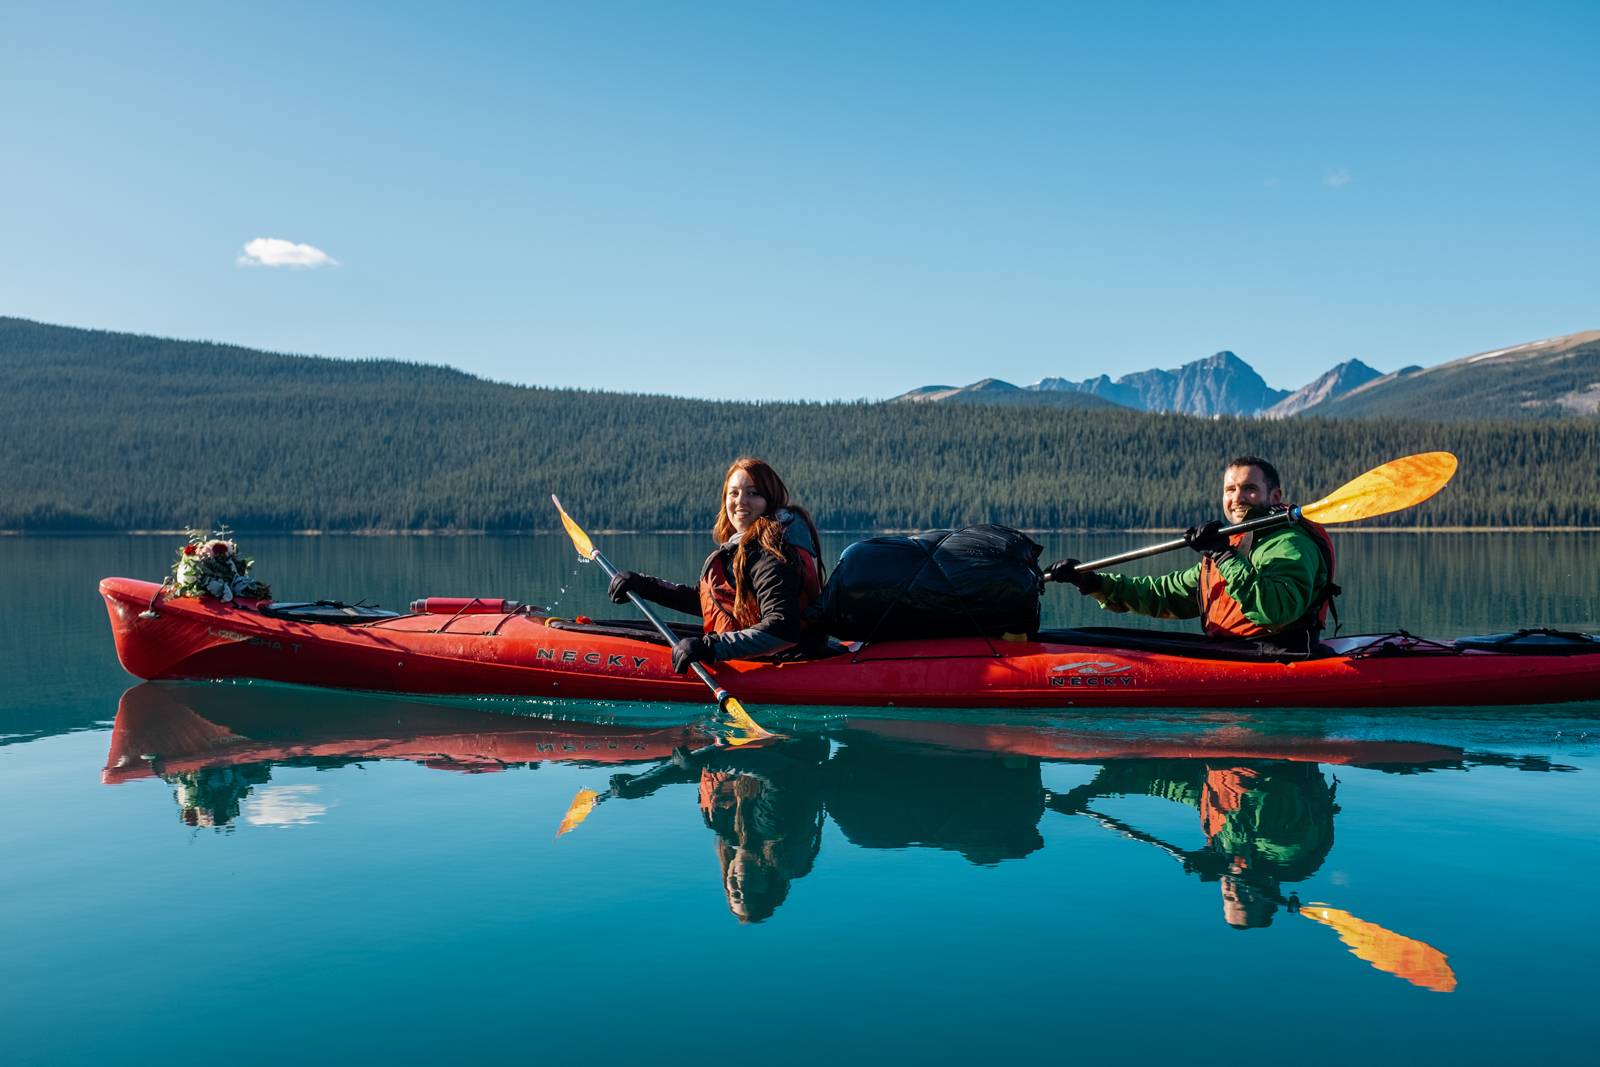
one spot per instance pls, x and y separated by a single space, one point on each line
518 654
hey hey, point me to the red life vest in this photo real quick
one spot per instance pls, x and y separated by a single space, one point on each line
1223 616
717 593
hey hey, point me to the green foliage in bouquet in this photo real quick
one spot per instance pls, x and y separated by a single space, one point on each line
210 565
215 796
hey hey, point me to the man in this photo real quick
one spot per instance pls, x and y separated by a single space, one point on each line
1272 586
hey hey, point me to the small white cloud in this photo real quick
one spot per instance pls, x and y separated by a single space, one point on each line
276 252
284 805
1338 179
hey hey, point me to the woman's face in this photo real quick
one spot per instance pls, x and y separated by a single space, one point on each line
743 501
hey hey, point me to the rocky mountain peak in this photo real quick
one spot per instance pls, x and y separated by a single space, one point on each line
1347 376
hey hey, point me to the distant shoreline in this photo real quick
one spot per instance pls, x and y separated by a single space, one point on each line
1153 531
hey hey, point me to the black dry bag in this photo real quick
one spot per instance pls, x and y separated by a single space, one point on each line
976 581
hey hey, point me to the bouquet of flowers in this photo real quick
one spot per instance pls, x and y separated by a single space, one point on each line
210 565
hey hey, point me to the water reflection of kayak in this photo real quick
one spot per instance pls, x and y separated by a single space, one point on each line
951 781
175 729
1196 739
165 729
531 656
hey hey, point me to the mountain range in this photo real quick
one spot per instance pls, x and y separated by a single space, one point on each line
1556 377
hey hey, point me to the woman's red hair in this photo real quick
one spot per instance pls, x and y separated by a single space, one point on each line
765 532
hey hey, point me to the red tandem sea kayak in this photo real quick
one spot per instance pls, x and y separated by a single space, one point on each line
158 637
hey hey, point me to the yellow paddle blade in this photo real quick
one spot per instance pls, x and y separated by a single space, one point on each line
582 805
1395 486
749 731
1416 961
580 540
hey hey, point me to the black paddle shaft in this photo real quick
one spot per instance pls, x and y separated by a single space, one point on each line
664 630
1266 522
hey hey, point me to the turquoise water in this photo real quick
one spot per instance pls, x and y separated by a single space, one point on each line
259 873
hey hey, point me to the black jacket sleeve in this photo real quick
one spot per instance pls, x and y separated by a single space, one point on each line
684 598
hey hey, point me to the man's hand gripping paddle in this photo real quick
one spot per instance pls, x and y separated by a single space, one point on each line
1395 486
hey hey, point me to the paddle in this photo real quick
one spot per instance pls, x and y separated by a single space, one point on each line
752 730
1395 486
588 799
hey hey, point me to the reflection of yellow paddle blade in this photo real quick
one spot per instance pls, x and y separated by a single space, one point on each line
580 540
1396 485
1416 961
582 805
751 731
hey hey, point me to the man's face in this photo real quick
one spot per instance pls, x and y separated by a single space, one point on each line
1244 489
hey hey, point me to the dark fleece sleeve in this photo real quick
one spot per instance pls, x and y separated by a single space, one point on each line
776 585
684 598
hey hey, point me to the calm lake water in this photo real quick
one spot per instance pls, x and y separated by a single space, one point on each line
255 873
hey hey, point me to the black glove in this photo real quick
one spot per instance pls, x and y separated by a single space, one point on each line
692 650
1208 538
1066 570
624 583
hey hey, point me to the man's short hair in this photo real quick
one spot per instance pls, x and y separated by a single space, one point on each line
1268 471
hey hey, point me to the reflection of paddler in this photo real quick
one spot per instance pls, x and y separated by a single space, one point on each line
766 809
983 806
1278 819
1263 824
765 806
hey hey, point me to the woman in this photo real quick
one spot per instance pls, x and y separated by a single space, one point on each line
754 589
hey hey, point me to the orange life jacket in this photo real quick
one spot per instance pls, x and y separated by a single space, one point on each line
716 588
716 792
1223 616
1224 793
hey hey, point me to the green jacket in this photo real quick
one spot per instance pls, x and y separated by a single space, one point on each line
1274 583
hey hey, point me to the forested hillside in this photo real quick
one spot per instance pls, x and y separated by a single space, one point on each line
114 431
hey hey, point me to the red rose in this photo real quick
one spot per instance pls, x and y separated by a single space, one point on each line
219 548
188 550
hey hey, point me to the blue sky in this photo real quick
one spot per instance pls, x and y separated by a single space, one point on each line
808 200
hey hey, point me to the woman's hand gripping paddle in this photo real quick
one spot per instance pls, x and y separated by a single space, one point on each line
746 729
1395 486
